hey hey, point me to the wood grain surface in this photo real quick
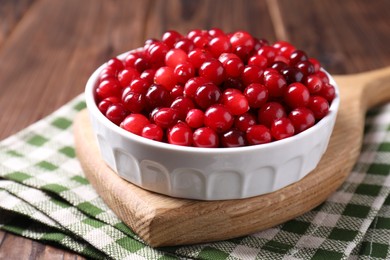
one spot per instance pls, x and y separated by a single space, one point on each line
48 48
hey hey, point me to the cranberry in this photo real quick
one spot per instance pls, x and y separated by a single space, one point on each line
165 76
313 84
126 75
139 86
244 121
182 106
213 71
302 118
205 137
269 52
180 134
131 58
115 64
171 37
233 138
201 41
242 38
219 118
256 94
108 88
319 106
279 66
328 92
198 56
192 85
215 32
270 112
156 54
148 75
196 32
116 113
134 123
177 91
207 95
275 83
141 64
165 117
175 57
195 118
219 45
258 134
236 103
134 102
105 103
297 95
292 74
297 56
306 67
157 96
251 74
185 44
183 72
259 61
153 132
282 128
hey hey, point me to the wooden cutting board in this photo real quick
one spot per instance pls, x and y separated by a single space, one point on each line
163 221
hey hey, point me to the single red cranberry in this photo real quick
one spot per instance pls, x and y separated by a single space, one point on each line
109 87
182 106
256 94
251 74
292 74
297 56
175 57
213 71
141 64
215 32
269 52
313 84
270 112
244 121
153 132
279 66
328 92
183 72
323 76
157 96
219 45
131 58
126 75
116 113
198 56
259 61
180 134
233 67
177 91
258 134
282 128
105 103
165 76
302 118
242 38
171 37
115 64
237 103
165 117
107 73
156 54
319 106
192 85
185 44
233 138
219 118
196 32
134 102
201 41
134 123
205 137
139 86
195 118
275 83
297 95
207 95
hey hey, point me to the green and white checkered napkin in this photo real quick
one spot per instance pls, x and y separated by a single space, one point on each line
45 196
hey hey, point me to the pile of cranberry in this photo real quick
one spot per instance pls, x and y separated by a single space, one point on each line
214 89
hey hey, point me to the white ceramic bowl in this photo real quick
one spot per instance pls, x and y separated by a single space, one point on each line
209 173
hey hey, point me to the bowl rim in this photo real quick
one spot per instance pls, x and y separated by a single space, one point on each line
90 98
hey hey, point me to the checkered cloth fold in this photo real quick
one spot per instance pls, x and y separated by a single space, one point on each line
45 196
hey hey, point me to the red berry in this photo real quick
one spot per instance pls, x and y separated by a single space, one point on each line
180 134
270 112
282 128
292 74
275 83
242 38
251 74
165 117
185 44
259 61
205 137
171 37
126 75
157 96
192 85
219 118
319 106
139 86
297 95
153 132
198 56
244 121
302 118
115 64
297 56
134 123
183 72
233 67
207 95
134 102
328 92
182 106
177 91
105 103
165 76
219 45
175 57
269 52
213 71
108 88
195 118
256 94
233 138
313 84
148 75
258 134
236 103
306 67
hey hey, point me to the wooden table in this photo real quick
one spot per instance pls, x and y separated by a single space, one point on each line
48 48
